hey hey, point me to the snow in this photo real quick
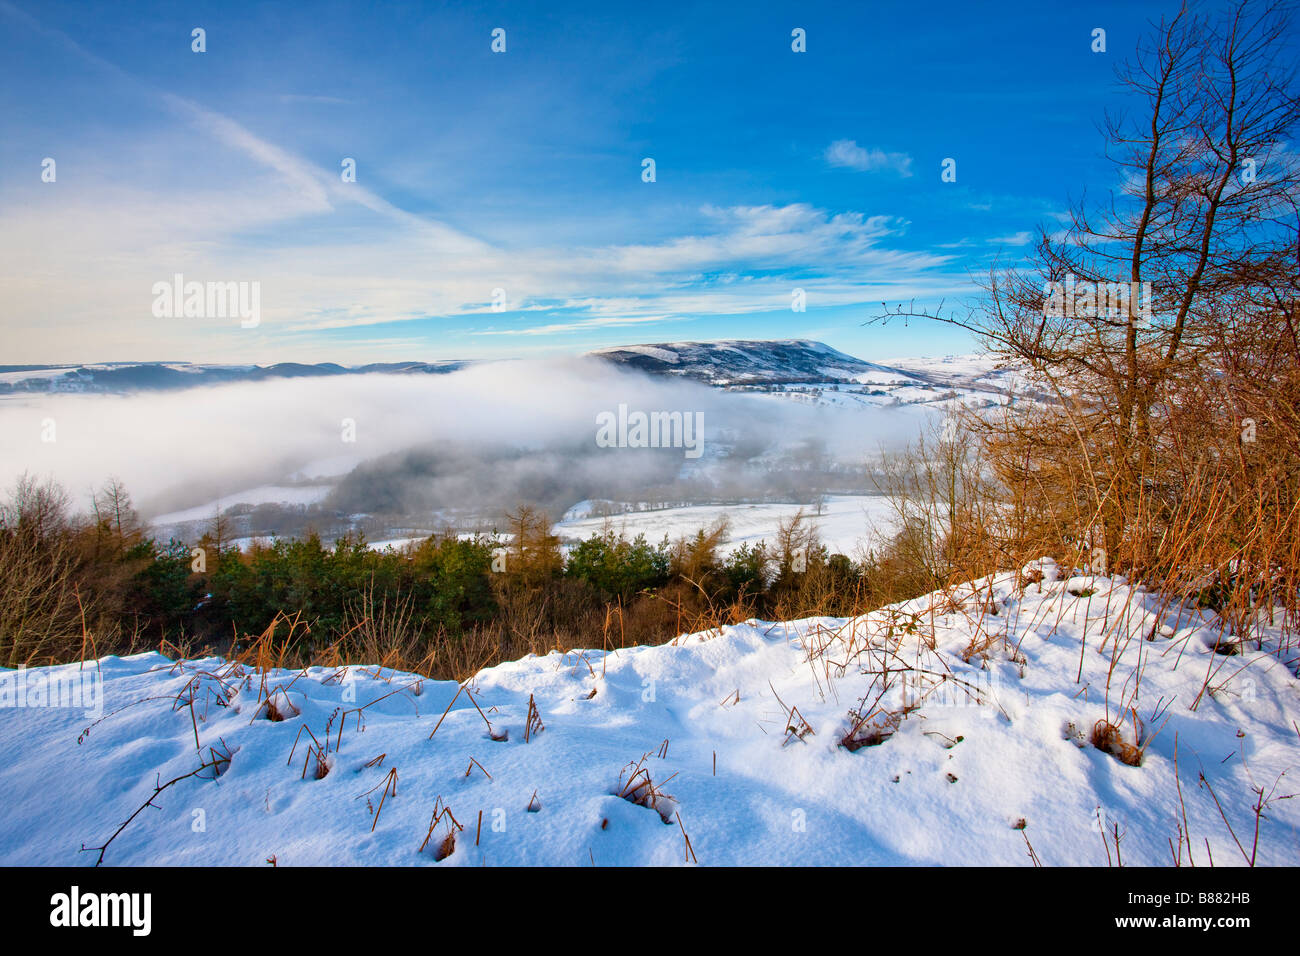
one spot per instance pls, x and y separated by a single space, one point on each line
738 730
739 360
263 494
34 374
664 355
847 523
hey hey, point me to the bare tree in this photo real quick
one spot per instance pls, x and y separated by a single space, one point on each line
115 516
40 608
1147 294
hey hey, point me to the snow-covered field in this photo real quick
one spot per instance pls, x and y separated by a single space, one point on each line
974 752
847 524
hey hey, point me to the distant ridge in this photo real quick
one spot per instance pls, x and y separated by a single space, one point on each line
745 361
164 376
733 362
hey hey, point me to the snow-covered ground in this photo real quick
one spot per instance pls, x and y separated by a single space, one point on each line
263 494
976 752
847 524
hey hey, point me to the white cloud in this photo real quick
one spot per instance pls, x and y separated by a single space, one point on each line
847 153
78 266
1021 238
151 440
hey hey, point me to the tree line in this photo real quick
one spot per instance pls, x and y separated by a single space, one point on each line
74 586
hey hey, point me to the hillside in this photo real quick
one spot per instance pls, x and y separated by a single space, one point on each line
740 362
814 373
958 728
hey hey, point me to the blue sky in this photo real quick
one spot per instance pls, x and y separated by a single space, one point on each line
522 170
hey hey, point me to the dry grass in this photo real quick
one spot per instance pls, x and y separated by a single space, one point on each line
1126 747
533 724
871 729
447 845
636 786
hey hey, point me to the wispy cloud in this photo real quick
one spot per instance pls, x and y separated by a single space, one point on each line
582 325
315 185
338 261
1021 238
847 153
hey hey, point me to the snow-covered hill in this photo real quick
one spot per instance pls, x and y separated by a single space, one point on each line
816 374
739 362
953 729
